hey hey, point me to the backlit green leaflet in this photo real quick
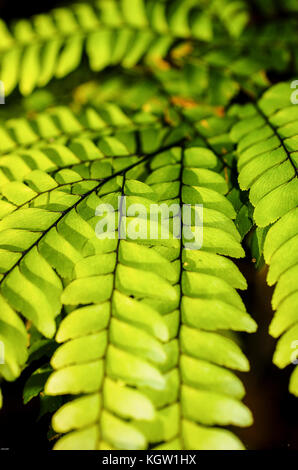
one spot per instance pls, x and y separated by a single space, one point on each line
267 147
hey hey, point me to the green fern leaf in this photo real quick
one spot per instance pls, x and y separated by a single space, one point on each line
131 303
267 146
31 212
59 124
132 317
32 52
120 344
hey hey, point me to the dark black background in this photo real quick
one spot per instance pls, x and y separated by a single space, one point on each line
10 9
274 409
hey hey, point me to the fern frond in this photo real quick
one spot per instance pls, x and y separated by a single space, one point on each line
142 350
126 191
267 146
110 32
14 340
128 303
13 343
33 214
59 124
74 144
